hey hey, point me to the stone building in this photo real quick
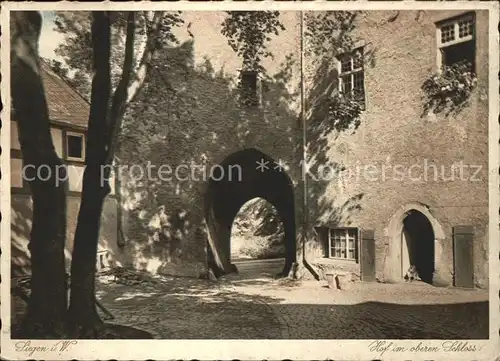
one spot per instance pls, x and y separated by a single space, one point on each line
415 179
208 140
408 185
406 217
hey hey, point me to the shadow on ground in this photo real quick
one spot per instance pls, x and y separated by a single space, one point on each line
254 305
379 320
192 309
180 308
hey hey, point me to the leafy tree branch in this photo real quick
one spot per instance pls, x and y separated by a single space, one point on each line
248 33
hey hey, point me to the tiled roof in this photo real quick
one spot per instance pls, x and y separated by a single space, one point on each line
65 104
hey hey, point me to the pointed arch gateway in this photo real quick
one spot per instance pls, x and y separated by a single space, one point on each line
239 181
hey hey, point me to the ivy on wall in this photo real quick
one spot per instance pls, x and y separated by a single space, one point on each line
449 91
344 112
328 35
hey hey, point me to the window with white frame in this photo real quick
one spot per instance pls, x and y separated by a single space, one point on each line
102 261
352 75
75 146
456 41
342 243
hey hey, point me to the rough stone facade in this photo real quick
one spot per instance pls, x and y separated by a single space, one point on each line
188 119
176 224
402 54
173 235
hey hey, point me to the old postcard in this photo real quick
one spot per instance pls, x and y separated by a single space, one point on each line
250 180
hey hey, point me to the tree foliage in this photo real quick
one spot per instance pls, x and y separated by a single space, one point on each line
108 108
109 55
329 32
248 33
115 51
329 35
76 49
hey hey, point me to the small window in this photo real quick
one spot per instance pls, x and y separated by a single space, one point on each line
102 262
249 88
456 42
351 75
75 146
342 243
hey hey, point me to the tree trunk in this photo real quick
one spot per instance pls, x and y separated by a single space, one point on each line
104 125
47 303
83 319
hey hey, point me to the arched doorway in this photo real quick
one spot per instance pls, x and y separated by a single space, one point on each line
258 240
238 180
417 237
416 220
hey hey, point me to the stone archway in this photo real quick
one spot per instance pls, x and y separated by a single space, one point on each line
407 222
238 180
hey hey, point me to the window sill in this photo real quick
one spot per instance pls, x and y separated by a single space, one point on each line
336 266
74 162
71 159
335 261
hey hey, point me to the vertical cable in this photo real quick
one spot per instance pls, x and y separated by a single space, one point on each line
304 135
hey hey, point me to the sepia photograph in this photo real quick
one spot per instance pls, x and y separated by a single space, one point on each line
260 173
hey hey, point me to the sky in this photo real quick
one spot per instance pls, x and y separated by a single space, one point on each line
205 26
49 38
206 30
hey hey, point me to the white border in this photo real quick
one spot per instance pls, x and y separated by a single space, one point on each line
253 5
254 349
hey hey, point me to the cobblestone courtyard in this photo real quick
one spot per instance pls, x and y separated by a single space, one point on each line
254 305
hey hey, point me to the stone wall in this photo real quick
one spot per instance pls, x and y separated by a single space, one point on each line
400 48
189 121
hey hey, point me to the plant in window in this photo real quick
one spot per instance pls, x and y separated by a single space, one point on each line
450 90
344 111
